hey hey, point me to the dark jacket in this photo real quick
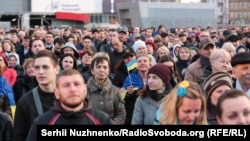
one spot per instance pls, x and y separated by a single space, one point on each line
26 112
120 76
68 118
5 105
116 56
23 56
130 100
24 85
181 66
29 83
85 72
106 47
211 114
6 127
17 88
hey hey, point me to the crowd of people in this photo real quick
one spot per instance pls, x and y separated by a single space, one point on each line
182 76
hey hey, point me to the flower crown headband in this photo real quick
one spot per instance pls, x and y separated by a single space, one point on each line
182 88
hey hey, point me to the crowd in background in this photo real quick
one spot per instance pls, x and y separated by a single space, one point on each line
189 75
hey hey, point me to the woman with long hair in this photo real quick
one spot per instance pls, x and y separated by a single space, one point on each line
184 105
157 87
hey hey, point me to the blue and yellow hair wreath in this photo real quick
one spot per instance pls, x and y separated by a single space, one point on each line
182 88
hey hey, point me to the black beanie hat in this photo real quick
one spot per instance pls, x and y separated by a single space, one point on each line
240 58
163 71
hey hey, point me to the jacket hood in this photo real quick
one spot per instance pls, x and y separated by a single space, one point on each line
72 46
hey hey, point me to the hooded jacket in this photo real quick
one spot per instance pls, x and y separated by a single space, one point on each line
68 118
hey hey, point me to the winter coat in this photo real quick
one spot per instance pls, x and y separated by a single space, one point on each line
26 112
68 118
6 127
10 75
106 97
194 71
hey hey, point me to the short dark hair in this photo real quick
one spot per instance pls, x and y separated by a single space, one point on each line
67 72
87 37
59 40
98 58
47 53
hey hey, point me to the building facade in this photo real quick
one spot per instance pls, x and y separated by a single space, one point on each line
30 12
148 14
239 12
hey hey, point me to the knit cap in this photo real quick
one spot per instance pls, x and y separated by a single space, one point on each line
215 80
138 44
163 71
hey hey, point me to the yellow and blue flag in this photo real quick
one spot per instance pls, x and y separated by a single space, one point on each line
7 91
131 65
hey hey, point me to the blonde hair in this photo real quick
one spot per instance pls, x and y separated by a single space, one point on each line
143 55
185 49
171 103
26 63
228 46
12 47
162 48
220 53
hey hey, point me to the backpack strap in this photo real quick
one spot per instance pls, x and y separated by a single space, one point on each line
37 101
54 118
89 115
94 119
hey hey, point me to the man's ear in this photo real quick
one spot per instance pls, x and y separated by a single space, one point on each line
234 71
57 69
57 93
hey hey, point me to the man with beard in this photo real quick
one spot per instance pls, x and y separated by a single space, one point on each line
70 106
58 43
241 71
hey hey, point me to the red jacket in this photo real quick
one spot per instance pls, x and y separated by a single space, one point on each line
10 75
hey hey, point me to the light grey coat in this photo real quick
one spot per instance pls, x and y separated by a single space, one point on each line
106 97
145 111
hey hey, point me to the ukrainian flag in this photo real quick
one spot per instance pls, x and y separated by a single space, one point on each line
12 102
10 97
6 89
131 64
